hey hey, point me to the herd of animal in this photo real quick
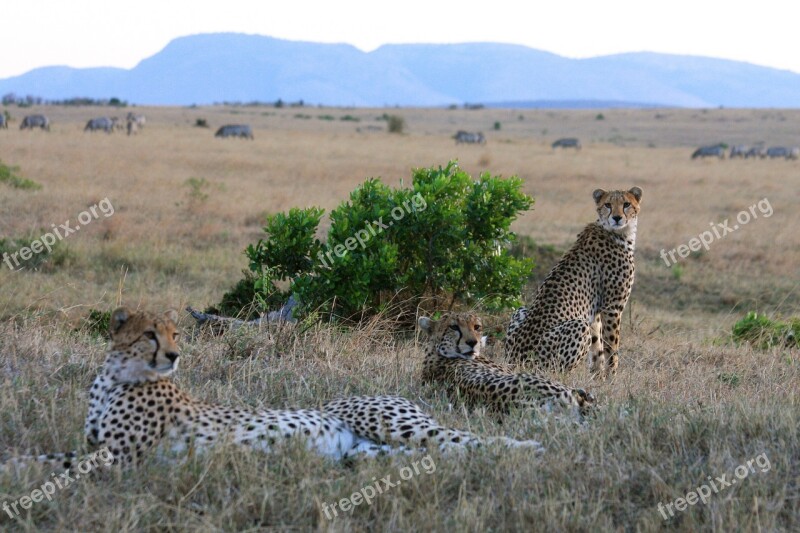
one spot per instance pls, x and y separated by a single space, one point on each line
741 151
477 137
133 123
135 408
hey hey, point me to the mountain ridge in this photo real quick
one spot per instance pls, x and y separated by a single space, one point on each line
230 67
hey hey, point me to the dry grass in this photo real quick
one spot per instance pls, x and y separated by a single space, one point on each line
684 406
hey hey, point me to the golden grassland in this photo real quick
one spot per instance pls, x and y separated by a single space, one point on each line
686 404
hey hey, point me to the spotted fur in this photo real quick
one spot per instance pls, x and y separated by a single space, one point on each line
578 308
135 409
453 359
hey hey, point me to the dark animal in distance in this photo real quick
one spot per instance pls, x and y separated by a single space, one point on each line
101 123
716 150
782 151
35 121
468 137
235 130
567 142
3 121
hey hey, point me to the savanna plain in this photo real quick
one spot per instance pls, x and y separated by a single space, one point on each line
687 406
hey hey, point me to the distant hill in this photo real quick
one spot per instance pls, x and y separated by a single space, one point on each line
209 68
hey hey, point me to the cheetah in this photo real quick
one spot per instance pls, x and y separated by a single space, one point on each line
578 308
135 408
453 358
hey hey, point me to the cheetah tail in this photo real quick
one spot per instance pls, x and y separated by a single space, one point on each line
83 463
449 438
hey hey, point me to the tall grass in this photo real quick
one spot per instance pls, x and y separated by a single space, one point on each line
687 404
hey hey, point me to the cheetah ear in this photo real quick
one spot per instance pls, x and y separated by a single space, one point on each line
425 324
118 317
637 193
597 194
171 315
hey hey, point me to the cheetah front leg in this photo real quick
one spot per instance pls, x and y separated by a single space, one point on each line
597 357
611 319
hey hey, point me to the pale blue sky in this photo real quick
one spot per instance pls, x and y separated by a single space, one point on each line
121 33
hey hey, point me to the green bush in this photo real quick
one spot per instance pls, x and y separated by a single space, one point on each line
764 333
396 123
40 258
97 323
9 176
440 243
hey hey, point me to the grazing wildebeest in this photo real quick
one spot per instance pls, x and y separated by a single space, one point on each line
3 121
739 150
35 121
132 127
235 130
756 151
101 123
777 151
717 150
567 142
468 137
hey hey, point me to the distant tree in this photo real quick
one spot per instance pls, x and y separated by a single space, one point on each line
396 124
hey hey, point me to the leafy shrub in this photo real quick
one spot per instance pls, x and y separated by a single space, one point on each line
200 123
442 242
197 188
763 332
44 260
244 301
497 125
349 118
9 175
97 323
396 124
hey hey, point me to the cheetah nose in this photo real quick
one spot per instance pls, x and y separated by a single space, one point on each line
172 356
471 343
617 218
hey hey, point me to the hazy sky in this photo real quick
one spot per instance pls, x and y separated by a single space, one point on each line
82 33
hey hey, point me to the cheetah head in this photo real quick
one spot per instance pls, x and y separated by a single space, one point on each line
455 335
143 346
617 210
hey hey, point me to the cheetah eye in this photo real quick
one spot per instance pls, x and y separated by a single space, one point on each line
608 206
626 205
477 327
150 335
176 336
455 327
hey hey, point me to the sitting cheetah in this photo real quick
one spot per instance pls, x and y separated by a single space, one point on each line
585 293
453 359
135 407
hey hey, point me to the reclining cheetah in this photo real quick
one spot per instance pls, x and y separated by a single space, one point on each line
585 292
453 359
134 408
